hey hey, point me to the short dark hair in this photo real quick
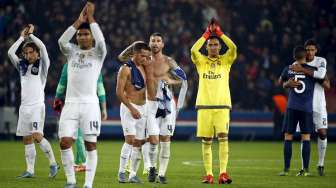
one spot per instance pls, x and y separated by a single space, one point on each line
84 25
140 46
157 34
310 42
31 45
299 52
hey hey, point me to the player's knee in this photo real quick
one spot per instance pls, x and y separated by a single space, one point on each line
288 136
164 138
137 143
27 140
129 139
90 146
37 137
206 141
305 137
153 140
206 138
222 137
322 136
65 143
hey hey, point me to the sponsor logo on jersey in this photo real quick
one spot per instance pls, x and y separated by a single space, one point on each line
211 75
81 63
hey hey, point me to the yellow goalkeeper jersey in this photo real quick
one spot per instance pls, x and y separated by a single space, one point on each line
213 87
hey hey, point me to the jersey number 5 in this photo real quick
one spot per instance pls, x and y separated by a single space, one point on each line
297 78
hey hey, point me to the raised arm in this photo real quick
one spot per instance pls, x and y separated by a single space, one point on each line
64 40
43 50
195 49
96 31
12 52
231 53
42 47
127 54
232 48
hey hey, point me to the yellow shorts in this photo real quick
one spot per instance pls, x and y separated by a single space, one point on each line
210 122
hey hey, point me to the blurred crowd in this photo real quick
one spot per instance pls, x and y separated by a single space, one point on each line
265 32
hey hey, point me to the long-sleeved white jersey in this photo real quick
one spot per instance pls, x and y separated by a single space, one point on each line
33 77
319 101
84 66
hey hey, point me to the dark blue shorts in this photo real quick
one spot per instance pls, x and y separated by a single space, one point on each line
293 117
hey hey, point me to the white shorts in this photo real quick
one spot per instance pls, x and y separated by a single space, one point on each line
167 124
85 116
132 126
320 120
152 126
31 120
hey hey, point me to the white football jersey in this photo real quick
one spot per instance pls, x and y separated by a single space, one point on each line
319 102
84 66
33 77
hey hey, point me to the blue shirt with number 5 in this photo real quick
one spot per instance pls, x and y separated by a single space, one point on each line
300 98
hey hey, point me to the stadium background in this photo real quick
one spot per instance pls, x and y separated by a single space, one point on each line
265 32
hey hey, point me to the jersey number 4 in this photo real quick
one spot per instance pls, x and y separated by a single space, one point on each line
297 78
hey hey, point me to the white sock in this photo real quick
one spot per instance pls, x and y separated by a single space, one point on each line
135 161
47 150
30 155
164 157
145 155
124 157
321 148
68 165
153 151
91 166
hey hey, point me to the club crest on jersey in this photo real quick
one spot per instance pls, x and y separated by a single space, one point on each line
34 70
81 62
213 65
81 58
322 64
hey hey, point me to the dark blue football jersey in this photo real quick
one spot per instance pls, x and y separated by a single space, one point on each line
300 98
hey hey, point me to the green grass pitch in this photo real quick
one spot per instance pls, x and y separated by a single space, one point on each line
251 164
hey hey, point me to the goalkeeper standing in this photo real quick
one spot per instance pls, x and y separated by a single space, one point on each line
213 101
